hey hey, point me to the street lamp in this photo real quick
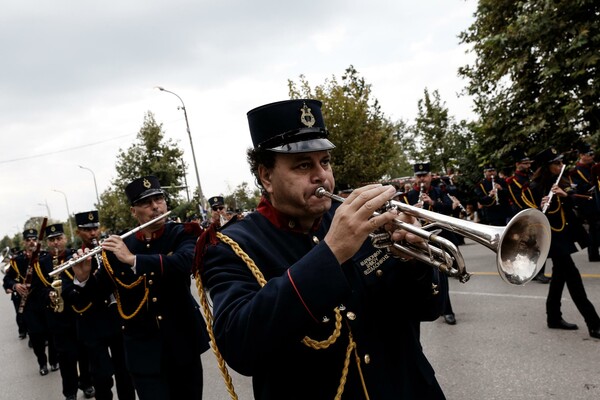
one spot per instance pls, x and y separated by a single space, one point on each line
68 214
95 186
182 107
45 204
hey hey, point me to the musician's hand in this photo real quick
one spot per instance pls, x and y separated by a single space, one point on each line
558 191
82 269
401 235
116 245
21 289
354 220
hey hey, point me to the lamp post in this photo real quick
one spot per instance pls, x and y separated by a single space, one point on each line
182 107
95 185
68 214
45 204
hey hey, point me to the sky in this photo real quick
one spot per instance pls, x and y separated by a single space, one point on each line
78 77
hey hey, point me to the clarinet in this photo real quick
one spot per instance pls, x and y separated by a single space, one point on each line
34 258
494 187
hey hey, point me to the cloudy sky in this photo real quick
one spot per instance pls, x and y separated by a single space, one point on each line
77 78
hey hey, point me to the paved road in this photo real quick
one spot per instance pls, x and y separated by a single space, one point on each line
499 349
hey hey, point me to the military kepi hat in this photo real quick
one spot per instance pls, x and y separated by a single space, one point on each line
54 230
519 156
88 219
30 233
548 156
216 201
422 168
143 187
289 126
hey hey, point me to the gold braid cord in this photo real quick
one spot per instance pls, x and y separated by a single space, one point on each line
314 344
126 286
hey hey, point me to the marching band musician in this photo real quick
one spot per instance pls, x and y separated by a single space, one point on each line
565 232
521 197
98 325
34 308
493 197
149 274
72 355
219 211
15 297
431 198
301 270
587 210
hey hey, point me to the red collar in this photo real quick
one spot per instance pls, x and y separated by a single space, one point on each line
139 235
280 220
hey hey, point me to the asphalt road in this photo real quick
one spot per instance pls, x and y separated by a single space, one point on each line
500 347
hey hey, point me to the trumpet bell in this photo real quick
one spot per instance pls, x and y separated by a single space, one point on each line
523 247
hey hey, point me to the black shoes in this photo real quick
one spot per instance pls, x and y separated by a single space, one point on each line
541 278
450 319
71 397
22 335
595 333
89 392
43 370
54 367
562 324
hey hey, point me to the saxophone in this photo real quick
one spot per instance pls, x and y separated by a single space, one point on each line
57 304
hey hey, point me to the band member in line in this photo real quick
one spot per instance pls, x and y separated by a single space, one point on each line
149 274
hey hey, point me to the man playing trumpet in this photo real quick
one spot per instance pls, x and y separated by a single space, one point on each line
302 300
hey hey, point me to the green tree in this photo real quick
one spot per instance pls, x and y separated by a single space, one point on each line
365 150
438 138
535 78
243 197
150 154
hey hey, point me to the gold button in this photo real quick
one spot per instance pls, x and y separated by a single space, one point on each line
150 282
152 273
367 359
154 299
379 273
159 317
315 240
350 315
122 327
147 245
292 224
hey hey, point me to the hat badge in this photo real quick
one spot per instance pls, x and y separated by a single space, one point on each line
307 118
554 151
421 167
147 183
90 216
53 229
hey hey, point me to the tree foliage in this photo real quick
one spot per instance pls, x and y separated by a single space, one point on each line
438 138
150 154
366 149
535 79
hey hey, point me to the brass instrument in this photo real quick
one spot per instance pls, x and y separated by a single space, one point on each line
57 304
521 246
35 255
496 194
98 249
551 192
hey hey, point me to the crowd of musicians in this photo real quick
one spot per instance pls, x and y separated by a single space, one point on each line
121 317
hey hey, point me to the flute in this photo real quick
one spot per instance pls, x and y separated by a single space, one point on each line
551 192
98 249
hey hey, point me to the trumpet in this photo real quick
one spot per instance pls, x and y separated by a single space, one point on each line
521 246
98 249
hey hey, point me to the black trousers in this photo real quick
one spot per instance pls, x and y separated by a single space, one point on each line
176 382
74 363
107 358
564 272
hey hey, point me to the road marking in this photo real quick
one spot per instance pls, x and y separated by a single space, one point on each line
519 296
593 276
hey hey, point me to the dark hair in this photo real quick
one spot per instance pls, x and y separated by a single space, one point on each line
258 157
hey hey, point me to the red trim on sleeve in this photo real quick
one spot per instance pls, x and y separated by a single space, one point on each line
161 264
299 296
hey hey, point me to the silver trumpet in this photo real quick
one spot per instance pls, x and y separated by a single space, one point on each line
521 246
98 249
